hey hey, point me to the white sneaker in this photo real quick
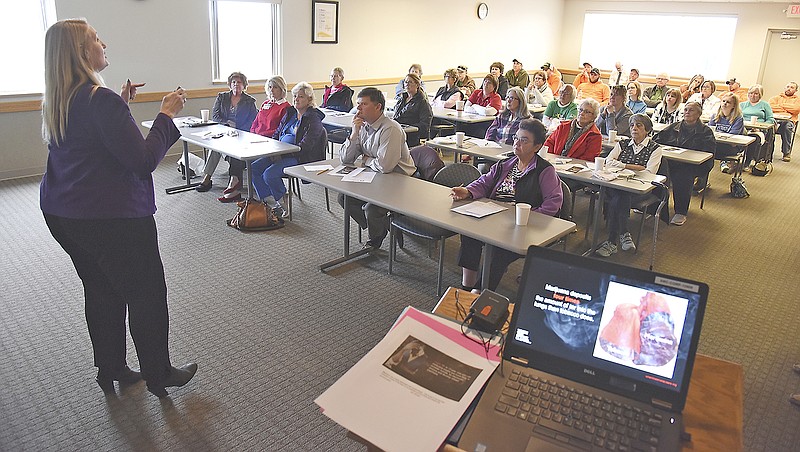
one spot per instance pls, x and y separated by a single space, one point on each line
626 242
678 219
606 249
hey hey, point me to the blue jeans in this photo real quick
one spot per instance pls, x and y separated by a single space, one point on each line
786 130
267 174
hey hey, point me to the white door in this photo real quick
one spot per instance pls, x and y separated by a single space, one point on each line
781 62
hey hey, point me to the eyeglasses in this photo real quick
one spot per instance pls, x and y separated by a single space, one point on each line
521 140
582 111
510 98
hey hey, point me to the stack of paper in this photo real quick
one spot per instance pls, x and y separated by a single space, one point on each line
409 391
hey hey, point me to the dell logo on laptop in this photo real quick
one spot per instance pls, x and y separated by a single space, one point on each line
589 371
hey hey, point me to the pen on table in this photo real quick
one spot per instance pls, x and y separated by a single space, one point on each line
323 171
260 141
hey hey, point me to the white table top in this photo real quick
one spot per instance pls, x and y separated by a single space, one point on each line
345 120
244 146
403 194
496 154
452 115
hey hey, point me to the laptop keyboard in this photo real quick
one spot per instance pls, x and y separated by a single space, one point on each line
577 417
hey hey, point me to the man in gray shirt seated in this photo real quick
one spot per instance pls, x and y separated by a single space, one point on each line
381 144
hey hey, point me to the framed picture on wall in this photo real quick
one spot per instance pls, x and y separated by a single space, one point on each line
324 22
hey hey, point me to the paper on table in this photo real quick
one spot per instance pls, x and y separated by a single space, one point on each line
604 175
485 143
409 391
342 170
317 167
479 209
359 175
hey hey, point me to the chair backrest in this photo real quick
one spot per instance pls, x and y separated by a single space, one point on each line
456 174
565 213
427 161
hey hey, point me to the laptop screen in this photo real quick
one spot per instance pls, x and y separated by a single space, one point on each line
625 330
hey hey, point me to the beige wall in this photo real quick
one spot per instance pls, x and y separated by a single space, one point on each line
377 39
751 31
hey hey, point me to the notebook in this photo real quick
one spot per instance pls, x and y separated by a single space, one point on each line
598 356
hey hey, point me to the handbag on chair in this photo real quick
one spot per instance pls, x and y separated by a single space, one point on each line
254 215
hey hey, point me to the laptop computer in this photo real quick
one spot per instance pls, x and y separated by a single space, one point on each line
598 356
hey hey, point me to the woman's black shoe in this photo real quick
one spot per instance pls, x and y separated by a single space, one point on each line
178 376
106 379
203 187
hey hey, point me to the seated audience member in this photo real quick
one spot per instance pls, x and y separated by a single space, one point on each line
583 76
413 109
787 102
415 69
633 75
759 108
618 75
655 94
338 96
381 143
539 91
464 82
237 109
517 76
553 77
579 138
496 69
485 101
727 120
594 88
272 110
708 101
301 125
736 88
635 103
693 87
639 153
505 125
670 109
689 134
449 94
616 115
560 109
525 177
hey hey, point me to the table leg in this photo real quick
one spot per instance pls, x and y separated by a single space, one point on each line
598 208
249 172
488 254
347 254
189 184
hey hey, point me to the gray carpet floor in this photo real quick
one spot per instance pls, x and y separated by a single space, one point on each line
270 332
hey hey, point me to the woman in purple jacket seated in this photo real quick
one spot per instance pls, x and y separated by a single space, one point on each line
301 125
98 202
525 177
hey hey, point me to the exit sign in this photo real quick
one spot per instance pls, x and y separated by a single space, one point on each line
793 11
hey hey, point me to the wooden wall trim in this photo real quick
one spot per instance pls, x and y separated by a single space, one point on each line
256 87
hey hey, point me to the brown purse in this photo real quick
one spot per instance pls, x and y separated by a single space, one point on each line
254 215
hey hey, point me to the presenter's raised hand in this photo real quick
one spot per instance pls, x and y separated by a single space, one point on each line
173 102
128 90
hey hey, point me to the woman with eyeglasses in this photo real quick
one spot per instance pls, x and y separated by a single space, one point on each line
638 153
412 109
635 102
539 91
579 138
506 124
338 96
486 98
449 94
525 177
670 109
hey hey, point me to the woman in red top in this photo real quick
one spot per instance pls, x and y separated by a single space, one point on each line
273 109
579 138
486 97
